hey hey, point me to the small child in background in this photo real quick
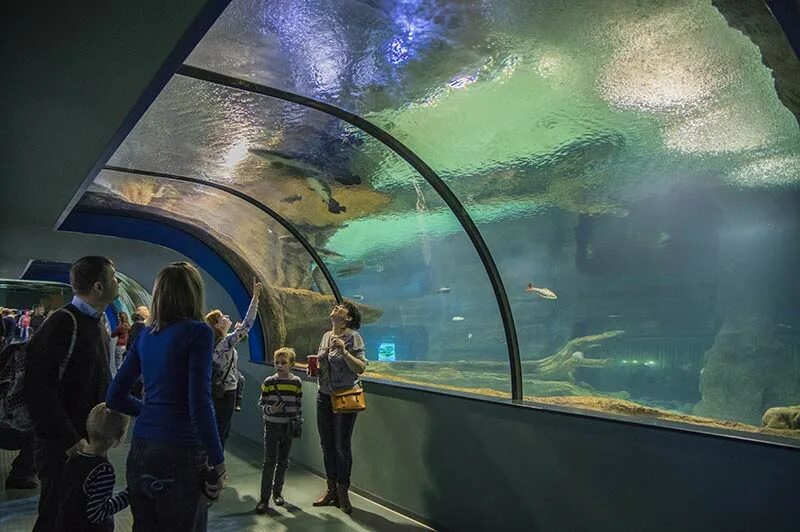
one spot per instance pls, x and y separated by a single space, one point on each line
281 398
87 501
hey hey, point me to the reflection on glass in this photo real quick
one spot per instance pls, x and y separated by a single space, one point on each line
131 296
250 241
632 167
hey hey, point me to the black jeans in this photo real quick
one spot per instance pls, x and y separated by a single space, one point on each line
277 445
164 484
223 408
240 390
50 459
335 434
23 466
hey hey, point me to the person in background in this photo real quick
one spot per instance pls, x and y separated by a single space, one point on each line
341 361
88 503
281 400
226 371
60 407
140 317
9 325
37 318
24 325
175 436
121 333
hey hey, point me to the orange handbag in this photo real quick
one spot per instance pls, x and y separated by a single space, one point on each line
348 401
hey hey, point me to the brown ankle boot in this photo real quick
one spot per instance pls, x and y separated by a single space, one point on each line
344 499
328 498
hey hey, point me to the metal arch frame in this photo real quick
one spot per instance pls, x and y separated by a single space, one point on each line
422 168
254 202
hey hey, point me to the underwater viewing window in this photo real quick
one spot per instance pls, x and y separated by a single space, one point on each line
634 169
393 254
236 230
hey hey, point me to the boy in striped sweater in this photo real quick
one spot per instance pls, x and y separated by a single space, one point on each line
88 503
281 398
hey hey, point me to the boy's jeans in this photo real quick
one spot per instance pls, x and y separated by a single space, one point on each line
277 445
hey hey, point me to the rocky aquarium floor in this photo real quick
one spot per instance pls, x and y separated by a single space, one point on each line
491 379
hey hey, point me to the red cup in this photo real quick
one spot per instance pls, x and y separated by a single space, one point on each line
313 364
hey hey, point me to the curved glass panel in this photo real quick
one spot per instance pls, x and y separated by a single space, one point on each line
252 243
430 316
634 159
131 295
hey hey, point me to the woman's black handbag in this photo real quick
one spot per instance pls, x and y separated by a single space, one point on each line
295 429
218 384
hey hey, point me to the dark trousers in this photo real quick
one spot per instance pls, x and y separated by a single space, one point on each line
335 434
50 459
240 390
277 445
223 408
164 484
23 466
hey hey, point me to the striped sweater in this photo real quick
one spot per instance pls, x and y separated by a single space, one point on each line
275 390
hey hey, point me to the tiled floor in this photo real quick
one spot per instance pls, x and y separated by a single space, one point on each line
235 511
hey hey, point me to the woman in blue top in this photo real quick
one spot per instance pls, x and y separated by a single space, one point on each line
175 436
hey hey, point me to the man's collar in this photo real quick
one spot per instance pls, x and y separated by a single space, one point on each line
85 307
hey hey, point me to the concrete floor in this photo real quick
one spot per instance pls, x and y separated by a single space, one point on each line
235 512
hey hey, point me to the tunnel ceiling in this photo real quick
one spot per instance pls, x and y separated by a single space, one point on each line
515 104
519 106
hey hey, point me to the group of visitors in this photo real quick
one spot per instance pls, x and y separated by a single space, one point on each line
19 325
189 385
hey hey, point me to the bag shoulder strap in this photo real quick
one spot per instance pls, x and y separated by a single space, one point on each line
66 360
230 367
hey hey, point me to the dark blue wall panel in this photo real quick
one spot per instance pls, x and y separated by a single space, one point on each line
180 241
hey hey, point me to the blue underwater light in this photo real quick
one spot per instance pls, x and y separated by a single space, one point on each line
387 352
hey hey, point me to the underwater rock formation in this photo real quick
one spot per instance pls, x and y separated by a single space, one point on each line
754 19
298 318
746 373
782 418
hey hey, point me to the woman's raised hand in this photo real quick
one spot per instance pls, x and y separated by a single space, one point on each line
257 286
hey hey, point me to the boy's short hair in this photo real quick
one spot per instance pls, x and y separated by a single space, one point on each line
287 352
105 425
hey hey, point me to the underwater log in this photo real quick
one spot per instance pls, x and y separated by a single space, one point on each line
561 365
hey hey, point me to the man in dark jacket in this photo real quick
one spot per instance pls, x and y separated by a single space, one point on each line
60 407
9 325
37 318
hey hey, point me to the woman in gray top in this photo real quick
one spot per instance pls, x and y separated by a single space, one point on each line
341 361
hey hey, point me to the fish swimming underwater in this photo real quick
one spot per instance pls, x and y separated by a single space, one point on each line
324 192
444 290
292 199
458 318
357 297
318 174
351 269
541 292
325 252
